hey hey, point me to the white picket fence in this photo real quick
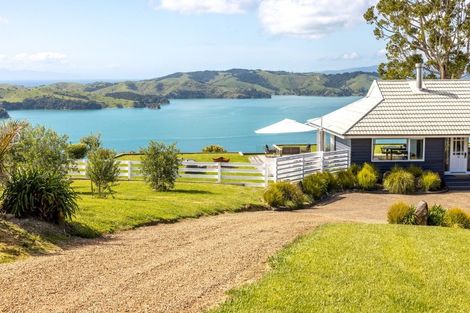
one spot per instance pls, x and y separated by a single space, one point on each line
287 168
247 174
296 167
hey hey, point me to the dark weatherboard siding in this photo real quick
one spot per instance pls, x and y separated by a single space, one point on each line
361 151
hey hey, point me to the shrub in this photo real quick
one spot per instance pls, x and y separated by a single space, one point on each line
436 215
367 177
214 149
345 180
354 169
45 195
284 195
456 218
315 186
400 181
103 170
77 151
401 213
160 165
91 141
415 170
430 181
42 149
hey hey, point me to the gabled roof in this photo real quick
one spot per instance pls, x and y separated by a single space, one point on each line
397 108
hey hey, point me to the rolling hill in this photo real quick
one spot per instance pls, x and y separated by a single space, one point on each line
235 84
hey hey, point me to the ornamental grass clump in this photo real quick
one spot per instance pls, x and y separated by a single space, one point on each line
44 195
284 195
430 181
345 180
400 181
401 213
315 186
367 177
456 218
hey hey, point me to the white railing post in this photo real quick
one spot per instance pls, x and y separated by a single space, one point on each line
129 170
275 170
322 161
303 166
219 172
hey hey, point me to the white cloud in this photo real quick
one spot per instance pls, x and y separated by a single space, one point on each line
310 18
350 56
4 20
203 6
382 52
41 57
33 61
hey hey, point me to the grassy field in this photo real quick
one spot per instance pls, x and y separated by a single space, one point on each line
135 204
365 268
198 157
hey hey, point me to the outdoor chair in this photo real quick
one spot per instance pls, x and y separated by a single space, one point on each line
269 151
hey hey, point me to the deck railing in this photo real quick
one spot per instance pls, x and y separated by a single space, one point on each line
296 167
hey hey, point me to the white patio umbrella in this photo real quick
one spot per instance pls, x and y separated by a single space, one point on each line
285 126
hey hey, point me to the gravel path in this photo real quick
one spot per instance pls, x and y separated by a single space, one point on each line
183 267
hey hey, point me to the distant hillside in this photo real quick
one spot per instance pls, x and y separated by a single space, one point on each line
234 84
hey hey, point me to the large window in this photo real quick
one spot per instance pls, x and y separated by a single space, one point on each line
399 149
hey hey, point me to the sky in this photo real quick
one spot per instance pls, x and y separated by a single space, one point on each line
136 39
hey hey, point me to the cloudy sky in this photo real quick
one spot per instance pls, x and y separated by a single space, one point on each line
148 38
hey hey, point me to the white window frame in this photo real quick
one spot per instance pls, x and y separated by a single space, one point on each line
407 144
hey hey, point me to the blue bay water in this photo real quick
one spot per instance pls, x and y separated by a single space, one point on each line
192 124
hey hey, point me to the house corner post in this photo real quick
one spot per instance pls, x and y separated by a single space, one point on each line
219 172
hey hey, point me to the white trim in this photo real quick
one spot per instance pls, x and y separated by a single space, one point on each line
456 173
402 136
408 148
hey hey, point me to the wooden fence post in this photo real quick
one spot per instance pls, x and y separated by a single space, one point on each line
219 172
129 170
275 170
266 174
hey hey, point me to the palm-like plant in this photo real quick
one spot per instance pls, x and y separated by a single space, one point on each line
9 134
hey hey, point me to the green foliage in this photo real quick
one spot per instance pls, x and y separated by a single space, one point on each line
430 181
315 186
456 218
103 170
42 149
346 180
401 213
44 195
367 177
436 32
331 180
92 141
284 195
77 150
9 133
400 181
436 215
160 165
354 169
415 170
214 149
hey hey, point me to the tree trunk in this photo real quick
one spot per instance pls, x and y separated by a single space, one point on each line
442 71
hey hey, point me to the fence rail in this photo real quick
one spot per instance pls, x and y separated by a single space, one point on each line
248 174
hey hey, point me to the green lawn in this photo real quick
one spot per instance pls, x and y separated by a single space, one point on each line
135 204
365 268
198 157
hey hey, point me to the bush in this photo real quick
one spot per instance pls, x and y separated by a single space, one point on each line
430 181
77 151
400 181
214 149
284 195
91 141
345 180
436 215
42 149
456 218
401 213
354 169
103 170
415 170
160 165
367 177
315 186
44 195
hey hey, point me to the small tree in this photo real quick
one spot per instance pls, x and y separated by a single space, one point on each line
160 165
77 150
92 141
103 171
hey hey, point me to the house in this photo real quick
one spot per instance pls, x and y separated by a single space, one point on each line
403 122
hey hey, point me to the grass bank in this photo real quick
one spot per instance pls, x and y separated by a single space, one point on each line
365 268
136 204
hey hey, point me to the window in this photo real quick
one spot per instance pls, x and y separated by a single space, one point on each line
399 149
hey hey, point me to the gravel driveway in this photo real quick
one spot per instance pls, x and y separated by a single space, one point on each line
183 267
